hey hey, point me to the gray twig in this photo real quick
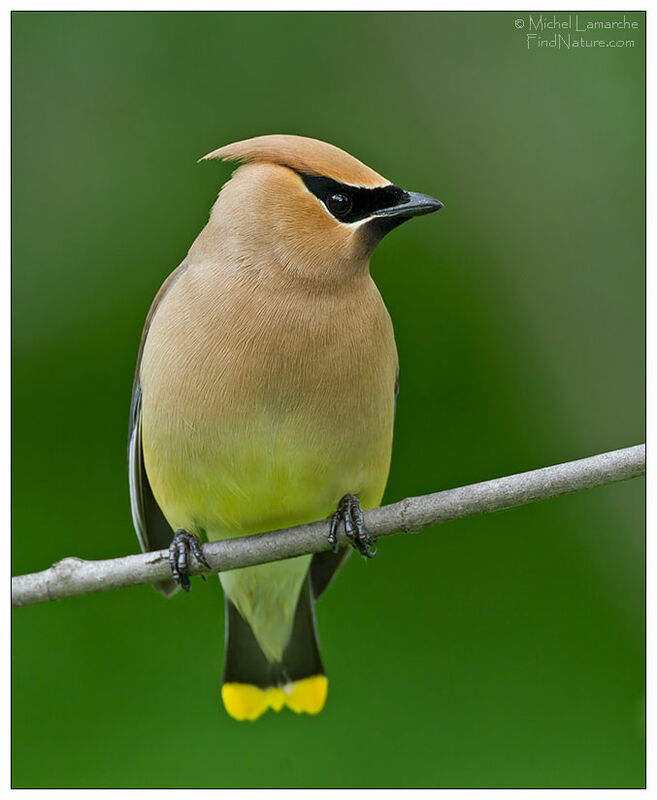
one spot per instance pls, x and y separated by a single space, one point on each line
73 576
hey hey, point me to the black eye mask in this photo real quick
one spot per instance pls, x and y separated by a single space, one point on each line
352 203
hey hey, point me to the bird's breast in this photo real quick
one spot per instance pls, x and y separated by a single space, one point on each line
260 409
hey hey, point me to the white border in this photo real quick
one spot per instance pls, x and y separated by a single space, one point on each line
341 748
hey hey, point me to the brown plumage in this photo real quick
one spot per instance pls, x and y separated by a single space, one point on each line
265 391
301 154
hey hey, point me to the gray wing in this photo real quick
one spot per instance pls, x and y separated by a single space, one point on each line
323 568
153 531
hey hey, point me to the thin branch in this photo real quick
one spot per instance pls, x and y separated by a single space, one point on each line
74 576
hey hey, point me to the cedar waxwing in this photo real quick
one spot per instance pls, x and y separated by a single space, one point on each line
264 397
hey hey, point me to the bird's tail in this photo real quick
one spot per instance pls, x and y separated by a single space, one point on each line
252 684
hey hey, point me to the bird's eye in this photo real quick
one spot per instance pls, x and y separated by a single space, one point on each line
339 204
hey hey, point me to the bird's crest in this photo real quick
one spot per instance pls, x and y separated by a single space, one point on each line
304 155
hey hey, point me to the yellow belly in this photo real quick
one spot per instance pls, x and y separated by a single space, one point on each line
254 474
250 475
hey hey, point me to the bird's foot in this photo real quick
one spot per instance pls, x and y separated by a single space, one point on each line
350 512
181 545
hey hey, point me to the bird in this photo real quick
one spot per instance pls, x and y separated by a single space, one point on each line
264 397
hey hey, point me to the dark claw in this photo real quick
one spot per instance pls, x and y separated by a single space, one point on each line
181 544
333 534
350 512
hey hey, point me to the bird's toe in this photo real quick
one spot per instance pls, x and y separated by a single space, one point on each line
350 513
179 549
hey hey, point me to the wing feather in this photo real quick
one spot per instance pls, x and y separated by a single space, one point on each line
151 526
153 531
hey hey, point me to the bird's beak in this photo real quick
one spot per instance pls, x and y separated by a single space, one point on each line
414 205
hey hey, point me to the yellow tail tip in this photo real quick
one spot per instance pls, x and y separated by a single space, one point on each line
244 701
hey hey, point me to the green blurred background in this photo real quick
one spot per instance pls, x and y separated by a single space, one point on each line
499 651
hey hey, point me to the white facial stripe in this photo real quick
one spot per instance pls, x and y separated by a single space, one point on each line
352 225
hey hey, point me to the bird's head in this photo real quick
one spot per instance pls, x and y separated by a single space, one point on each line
308 207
